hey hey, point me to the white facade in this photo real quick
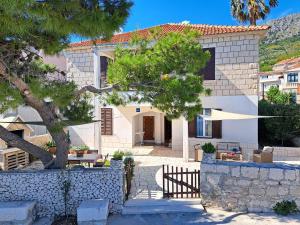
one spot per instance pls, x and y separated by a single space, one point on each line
287 80
235 89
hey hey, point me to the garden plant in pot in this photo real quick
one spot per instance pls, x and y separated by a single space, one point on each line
80 150
209 152
51 147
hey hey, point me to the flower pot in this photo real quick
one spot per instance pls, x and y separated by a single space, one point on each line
209 157
72 151
80 153
52 150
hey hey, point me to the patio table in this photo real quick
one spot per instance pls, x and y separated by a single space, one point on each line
86 158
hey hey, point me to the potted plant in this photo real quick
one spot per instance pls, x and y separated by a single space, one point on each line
117 159
209 151
80 150
51 147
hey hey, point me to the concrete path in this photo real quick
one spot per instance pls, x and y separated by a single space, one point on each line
213 217
147 180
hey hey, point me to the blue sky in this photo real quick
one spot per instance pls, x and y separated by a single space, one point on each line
146 13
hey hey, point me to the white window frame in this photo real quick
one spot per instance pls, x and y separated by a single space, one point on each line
204 124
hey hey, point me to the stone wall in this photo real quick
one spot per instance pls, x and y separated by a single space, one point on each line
286 154
249 187
48 188
237 66
80 67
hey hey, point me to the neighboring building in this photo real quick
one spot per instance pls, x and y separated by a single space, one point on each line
231 74
284 76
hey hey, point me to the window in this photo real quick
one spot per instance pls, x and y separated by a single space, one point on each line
208 71
292 77
106 121
201 128
204 127
103 68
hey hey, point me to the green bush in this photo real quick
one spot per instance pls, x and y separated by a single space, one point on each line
80 148
118 155
208 148
50 144
285 208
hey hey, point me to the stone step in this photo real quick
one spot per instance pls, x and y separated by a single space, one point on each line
43 221
162 209
162 206
17 212
166 202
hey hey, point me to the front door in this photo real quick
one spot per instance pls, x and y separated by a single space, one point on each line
148 125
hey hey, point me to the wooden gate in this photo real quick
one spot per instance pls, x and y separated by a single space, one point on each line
180 183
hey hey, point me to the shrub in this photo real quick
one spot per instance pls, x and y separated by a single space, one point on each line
50 144
80 147
118 155
285 208
208 148
129 173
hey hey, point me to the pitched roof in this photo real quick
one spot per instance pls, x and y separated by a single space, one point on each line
288 61
172 27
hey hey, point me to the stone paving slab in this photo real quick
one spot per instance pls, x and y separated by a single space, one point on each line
147 180
213 217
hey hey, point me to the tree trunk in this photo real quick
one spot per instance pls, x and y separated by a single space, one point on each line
50 119
17 142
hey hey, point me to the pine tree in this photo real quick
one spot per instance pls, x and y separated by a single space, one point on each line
162 70
28 26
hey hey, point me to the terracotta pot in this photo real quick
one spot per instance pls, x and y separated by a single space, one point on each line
52 150
80 153
72 151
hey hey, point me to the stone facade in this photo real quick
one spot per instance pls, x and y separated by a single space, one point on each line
48 188
80 67
249 187
236 58
235 89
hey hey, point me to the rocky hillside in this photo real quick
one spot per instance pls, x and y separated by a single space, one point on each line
283 28
282 41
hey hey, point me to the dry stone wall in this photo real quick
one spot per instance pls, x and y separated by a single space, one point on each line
48 188
250 187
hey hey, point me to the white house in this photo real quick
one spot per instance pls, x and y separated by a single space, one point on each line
231 74
284 75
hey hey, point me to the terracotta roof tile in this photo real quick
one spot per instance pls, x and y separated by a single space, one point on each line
172 27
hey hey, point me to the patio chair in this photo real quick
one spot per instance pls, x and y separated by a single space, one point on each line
264 156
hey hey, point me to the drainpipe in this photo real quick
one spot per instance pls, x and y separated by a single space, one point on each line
97 84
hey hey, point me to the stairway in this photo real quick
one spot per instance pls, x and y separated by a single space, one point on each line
162 206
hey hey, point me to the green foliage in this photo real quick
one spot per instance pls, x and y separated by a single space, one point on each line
10 98
280 129
129 173
79 109
48 24
251 10
286 207
274 95
164 73
50 144
80 148
60 93
208 148
118 155
272 53
29 27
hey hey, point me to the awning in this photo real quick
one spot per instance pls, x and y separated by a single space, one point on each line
222 115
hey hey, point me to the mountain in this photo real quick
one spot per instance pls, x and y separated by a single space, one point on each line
282 41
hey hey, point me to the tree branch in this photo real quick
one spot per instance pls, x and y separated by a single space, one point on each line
17 142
